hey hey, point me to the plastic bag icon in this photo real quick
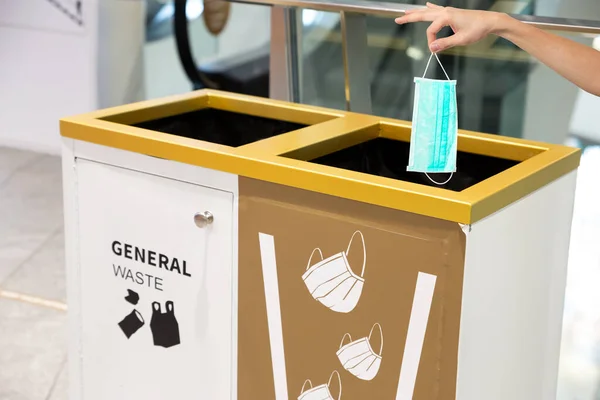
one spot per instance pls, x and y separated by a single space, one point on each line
164 326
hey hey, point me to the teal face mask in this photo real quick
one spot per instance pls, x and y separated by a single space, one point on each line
434 127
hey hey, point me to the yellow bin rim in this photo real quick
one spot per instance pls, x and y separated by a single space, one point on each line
282 159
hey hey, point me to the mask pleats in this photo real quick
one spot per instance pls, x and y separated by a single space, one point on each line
338 293
356 286
324 273
328 286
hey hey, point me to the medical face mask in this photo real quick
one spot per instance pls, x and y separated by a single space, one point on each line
358 357
320 392
332 282
433 141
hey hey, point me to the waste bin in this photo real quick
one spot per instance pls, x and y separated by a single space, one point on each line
222 246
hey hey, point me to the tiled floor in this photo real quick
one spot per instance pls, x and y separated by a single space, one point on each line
32 282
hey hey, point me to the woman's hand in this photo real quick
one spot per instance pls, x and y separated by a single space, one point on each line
469 26
576 62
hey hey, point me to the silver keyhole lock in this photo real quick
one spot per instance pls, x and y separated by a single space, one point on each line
203 219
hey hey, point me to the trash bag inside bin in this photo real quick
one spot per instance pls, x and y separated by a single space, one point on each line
389 158
221 127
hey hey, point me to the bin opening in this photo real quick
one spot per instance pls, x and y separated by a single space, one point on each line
221 127
389 158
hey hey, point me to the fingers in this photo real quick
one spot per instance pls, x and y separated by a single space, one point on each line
429 13
448 42
434 28
417 16
439 17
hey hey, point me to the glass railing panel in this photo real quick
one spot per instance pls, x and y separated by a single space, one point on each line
571 9
501 89
164 74
322 71
576 9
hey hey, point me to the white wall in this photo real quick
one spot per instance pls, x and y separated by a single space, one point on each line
49 64
46 71
120 54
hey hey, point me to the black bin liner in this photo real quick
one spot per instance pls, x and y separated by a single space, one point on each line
389 158
221 127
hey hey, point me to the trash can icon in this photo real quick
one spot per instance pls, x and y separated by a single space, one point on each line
131 323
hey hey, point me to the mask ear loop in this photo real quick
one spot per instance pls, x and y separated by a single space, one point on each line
439 183
304 386
344 338
447 77
380 333
439 62
362 238
339 380
312 255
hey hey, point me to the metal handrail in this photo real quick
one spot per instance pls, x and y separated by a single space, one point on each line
385 9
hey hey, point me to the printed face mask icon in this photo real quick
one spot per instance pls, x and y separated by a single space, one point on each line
131 323
358 357
321 392
164 326
332 282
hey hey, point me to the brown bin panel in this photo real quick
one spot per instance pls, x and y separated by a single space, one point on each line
398 246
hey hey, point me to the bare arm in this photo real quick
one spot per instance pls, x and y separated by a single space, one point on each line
578 63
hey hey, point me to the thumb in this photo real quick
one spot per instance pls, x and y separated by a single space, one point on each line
447 42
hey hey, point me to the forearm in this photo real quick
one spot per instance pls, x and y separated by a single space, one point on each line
576 62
